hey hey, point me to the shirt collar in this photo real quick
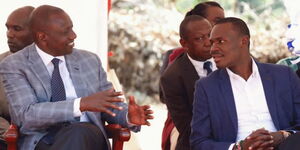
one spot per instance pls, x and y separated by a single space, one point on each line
46 58
254 74
201 63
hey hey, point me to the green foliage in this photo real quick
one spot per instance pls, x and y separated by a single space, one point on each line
185 5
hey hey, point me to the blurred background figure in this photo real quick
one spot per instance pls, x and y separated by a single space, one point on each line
293 37
18 36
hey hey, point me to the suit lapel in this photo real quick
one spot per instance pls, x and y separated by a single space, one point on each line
74 69
269 90
228 97
189 68
40 71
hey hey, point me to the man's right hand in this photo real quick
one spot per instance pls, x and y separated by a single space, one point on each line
260 139
101 102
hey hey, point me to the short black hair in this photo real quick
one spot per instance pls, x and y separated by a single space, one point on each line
185 22
200 9
237 23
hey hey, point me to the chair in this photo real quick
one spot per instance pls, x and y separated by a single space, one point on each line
118 134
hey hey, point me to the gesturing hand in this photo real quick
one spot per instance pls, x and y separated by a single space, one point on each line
139 115
101 102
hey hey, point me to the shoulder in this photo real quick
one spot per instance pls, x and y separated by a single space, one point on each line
178 66
5 54
83 53
273 67
19 57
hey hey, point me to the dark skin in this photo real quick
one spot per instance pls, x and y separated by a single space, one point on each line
231 49
18 32
57 39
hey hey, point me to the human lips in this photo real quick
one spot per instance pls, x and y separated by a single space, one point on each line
71 44
217 57
11 44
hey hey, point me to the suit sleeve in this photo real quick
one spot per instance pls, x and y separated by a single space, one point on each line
201 129
176 100
295 82
121 115
29 113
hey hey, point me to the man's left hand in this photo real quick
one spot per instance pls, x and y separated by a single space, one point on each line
139 115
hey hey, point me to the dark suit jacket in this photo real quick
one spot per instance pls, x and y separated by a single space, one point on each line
214 124
177 84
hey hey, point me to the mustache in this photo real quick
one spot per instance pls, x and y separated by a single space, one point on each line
215 53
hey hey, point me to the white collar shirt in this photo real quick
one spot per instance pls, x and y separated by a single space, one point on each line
198 65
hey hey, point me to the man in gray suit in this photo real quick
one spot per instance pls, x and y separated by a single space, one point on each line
18 36
32 76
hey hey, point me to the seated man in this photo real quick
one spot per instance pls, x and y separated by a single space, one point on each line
58 95
183 74
245 104
18 36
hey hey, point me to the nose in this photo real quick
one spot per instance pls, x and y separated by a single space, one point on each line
73 35
10 33
213 48
207 42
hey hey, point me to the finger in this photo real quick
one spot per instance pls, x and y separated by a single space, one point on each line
111 105
262 141
255 145
105 110
267 143
131 100
145 107
150 117
148 112
258 133
115 99
115 94
147 123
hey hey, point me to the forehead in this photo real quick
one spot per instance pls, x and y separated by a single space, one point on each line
60 20
222 31
215 12
17 18
199 26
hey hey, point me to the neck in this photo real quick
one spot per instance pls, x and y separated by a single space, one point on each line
244 69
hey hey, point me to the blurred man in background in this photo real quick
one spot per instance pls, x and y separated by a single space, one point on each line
18 36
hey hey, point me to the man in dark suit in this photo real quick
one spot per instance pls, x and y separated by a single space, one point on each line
245 104
58 95
178 80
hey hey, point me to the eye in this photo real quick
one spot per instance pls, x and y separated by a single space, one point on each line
17 28
220 41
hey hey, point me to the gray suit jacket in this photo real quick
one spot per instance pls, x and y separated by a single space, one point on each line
3 100
27 85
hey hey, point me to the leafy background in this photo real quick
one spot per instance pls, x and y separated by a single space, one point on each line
140 31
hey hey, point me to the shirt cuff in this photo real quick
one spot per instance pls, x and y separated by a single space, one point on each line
128 122
76 107
231 146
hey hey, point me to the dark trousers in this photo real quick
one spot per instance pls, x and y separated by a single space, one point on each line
78 136
291 143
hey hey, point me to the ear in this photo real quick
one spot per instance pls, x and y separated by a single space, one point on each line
245 41
40 36
183 43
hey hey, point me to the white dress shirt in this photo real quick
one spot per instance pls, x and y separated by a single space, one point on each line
199 66
68 84
250 102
